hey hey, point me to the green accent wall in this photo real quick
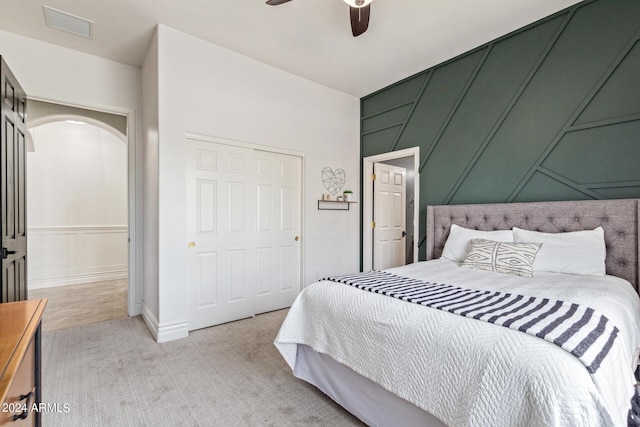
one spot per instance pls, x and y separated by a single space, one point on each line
548 112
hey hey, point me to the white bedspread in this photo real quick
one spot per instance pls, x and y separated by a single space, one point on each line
468 372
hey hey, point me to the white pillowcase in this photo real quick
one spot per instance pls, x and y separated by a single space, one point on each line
458 243
574 252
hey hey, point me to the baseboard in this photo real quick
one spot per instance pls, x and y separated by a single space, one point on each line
164 333
150 320
137 309
172 331
77 279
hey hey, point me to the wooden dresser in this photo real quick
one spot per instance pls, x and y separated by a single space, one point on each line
20 349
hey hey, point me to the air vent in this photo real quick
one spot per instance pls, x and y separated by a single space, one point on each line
66 22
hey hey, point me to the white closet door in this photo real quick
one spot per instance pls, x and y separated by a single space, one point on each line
278 230
243 228
389 207
221 228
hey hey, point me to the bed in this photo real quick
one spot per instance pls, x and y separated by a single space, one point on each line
393 362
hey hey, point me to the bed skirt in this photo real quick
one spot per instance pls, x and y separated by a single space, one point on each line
362 397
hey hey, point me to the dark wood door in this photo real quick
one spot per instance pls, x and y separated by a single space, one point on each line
13 228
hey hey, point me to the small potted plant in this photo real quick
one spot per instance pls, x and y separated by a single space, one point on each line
347 195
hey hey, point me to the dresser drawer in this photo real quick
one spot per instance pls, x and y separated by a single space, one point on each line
20 365
21 394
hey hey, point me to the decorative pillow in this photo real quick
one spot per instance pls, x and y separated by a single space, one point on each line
457 245
502 257
573 252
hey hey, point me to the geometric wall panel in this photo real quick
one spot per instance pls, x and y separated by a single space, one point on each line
548 112
378 142
544 187
394 96
392 118
579 156
615 100
619 192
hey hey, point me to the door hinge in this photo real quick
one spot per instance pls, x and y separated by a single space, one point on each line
373 177
373 224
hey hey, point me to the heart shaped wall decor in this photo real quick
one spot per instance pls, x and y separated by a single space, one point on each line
333 180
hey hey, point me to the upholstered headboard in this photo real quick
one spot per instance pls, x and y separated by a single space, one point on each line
618 218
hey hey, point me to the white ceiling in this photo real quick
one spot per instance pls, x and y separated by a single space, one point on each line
309 38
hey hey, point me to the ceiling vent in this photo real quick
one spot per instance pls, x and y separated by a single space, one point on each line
66 22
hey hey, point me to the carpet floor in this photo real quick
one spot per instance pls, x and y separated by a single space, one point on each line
114 374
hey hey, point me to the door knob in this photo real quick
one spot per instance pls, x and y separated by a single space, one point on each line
192 245
297 238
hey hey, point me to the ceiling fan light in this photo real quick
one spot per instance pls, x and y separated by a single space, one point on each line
358 3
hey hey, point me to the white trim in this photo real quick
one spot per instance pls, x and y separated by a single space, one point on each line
172 331
87 106
243 144
163 333
62 117
150 320
367 201
135 268
78 279
66 228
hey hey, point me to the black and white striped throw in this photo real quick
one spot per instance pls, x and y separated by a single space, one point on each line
583 332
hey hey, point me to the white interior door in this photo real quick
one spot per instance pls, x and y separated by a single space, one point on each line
244 216
278 230
389 206
221 228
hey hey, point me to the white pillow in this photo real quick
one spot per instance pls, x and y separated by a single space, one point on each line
574 252
458 243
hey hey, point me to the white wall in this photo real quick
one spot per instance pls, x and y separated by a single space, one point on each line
208 90
149 156
52 72
76 205
76 176
59 74
205 89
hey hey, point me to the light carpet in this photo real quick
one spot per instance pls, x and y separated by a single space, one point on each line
114 374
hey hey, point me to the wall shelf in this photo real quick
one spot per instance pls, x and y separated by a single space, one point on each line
334 205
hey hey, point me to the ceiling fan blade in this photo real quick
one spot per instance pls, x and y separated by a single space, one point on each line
359 19
276 2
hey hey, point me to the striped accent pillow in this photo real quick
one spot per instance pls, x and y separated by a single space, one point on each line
502 257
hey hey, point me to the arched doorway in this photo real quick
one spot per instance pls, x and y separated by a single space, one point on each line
77 218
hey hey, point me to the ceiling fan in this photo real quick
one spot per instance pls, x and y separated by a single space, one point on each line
359 11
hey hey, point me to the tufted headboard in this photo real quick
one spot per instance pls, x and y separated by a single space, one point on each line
618 218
